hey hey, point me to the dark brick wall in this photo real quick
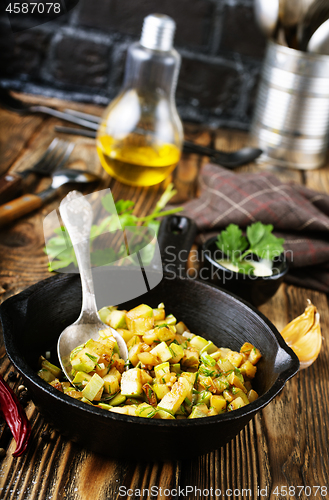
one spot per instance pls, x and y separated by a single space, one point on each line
81 54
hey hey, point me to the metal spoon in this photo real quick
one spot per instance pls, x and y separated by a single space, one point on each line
77 215
319 41
315 16
267 15
290 15
11 103
29 202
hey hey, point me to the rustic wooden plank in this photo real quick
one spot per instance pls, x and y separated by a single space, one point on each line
15 133
284 444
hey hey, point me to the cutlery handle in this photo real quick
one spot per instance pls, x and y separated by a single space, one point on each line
19 207
10 184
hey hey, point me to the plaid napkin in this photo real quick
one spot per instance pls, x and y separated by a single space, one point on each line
298 214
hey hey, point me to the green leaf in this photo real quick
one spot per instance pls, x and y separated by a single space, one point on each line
59 264
231 242
124 206
269 247
256 231
103 257
108 203
165 197
127 220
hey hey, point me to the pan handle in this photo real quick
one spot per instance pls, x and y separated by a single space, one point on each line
175 238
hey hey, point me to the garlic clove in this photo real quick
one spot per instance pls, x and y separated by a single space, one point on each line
303 335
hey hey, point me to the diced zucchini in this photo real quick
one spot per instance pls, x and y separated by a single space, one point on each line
209 348
198 342
234 380
181 328
105 311
170 320
85 400
204 397
207 382
221 383
85 361
117 319
162 351
104 406
146 378
119 399
164 415
136 339
46 375
235 358
94 386
131 383
145 410
242 395
147 358
228 395
150 337
165 333
160 390
252 395
175 368
160 371
225 366
126 334
50 367
172 401
133 353
248 369
177 352
81 379
159 314
112 381
235 404
218 402
190 359
119 409
199 411
207 360
140 318
103 346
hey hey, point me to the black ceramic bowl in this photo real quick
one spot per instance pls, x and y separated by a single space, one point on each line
255 289
33 320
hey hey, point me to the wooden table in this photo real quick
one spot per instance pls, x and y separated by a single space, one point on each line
282 453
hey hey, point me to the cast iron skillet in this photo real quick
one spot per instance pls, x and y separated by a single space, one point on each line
33 320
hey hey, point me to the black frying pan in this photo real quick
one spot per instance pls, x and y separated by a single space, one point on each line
33 320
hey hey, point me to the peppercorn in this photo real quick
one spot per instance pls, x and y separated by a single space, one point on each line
12 376
45 436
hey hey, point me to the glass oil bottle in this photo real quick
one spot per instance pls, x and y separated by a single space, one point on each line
140 137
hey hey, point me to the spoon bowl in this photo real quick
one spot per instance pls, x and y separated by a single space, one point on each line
267 15
319 41
77 215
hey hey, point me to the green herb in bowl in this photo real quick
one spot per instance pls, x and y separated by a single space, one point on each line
240 251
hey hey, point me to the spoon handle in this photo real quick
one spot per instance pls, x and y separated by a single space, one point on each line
77 215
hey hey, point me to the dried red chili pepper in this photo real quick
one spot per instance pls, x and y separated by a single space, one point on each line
15 417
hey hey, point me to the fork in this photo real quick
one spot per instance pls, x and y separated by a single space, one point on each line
54 157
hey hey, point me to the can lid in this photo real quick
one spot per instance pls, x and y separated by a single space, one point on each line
158 32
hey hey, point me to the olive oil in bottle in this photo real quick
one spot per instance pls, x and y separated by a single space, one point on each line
140 137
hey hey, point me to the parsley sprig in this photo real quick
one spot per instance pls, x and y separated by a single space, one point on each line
61 252
259 240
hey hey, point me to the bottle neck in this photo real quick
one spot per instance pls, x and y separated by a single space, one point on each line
151 71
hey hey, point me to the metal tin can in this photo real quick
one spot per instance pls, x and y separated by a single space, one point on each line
291 116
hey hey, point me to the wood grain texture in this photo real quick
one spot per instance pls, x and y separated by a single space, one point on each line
285 445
